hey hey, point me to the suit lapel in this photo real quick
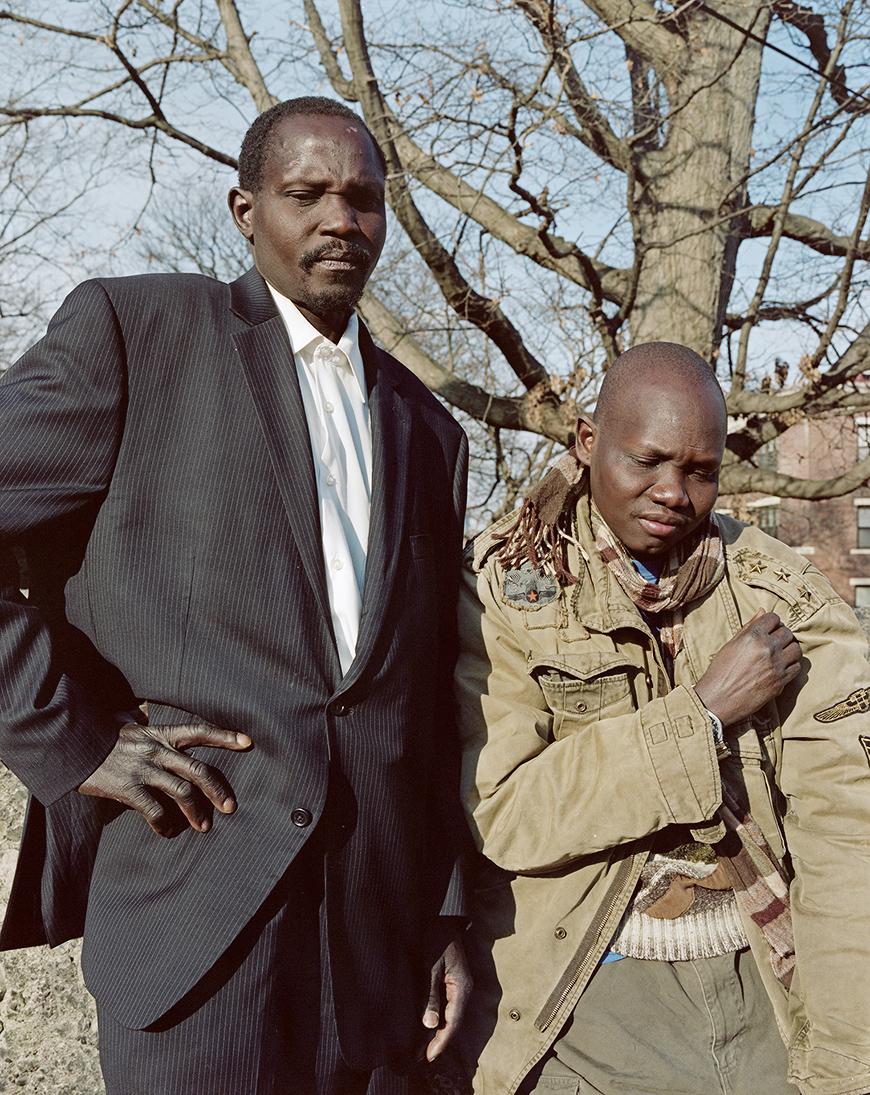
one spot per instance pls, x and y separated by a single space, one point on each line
391 446
267 362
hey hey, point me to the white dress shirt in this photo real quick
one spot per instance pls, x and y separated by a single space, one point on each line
334 395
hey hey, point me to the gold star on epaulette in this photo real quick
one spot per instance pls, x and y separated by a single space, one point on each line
781 575
805 593
757 567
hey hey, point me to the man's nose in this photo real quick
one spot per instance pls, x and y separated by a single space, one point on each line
669 489
338 216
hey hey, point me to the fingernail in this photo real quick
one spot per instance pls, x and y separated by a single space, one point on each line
228 805
243 739
430 1019
204 826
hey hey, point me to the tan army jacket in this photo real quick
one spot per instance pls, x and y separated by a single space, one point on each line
576 752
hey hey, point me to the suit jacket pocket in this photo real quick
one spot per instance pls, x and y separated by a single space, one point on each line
421 545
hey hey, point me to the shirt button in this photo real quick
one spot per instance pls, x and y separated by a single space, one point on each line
560 933
330 480
301 817
337 564
515 1015
328 407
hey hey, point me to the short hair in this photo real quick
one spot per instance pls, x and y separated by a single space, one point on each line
647 357
258 139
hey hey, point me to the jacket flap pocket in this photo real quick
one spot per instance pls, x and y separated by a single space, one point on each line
582 667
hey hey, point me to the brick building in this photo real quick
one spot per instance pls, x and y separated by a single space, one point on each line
834 533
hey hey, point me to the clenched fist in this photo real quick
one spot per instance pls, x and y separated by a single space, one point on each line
148 771
750 669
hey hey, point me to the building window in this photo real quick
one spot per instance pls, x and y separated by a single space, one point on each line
767 519
862 432
766 455
863 515
862 596
764 514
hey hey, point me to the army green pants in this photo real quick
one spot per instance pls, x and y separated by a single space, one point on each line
669 1028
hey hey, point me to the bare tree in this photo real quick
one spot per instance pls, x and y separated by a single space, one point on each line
568 179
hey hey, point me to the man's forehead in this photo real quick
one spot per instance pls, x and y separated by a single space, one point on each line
312 135
663 422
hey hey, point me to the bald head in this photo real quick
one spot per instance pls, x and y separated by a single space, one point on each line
666 367
654 446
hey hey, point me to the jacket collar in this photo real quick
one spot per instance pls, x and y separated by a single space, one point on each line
250 298
606 605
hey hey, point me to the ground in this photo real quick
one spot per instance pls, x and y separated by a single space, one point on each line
48 1028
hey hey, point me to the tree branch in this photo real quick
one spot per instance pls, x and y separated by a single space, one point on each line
741 479
815 235
812 25
643 29
239 59
595 130
485 313
534 411
19 115
558 254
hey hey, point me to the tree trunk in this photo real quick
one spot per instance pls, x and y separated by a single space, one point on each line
694 180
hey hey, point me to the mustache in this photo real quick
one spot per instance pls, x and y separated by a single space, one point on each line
347 252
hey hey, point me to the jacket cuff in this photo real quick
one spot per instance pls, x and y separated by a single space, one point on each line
682 755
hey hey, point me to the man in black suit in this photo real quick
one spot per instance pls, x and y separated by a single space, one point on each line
237 509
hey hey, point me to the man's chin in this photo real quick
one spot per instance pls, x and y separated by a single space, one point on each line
339 299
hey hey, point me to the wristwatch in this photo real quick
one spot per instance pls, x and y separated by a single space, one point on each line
722 750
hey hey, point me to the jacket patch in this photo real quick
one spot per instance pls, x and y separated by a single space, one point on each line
855 703
865 742
529 588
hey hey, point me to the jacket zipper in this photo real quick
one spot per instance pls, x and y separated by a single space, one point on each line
618 893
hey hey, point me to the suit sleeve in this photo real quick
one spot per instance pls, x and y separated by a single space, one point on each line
61 415
825 777
451 824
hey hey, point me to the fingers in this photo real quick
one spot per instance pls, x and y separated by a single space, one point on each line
196 774
147 772
182 737
186 795
763 623
457 990
432 1014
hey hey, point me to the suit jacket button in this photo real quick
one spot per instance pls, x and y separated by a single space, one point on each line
301 817
340 709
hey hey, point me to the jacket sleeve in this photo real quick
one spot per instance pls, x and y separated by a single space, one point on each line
825 777
61 411
535 803
450 825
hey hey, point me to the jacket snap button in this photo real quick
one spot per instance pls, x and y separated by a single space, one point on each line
301 817
340 709
514 1014
581 706
560 933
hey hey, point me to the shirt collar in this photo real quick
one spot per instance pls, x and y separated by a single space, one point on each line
304 336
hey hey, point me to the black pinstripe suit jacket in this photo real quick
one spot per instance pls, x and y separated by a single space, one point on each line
155 465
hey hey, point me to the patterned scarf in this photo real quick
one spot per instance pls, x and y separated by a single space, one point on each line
758 882
694 567
538 537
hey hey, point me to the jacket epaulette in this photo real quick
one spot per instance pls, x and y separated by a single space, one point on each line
481 546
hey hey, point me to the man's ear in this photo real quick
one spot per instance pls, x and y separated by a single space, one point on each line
584 440
241 203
